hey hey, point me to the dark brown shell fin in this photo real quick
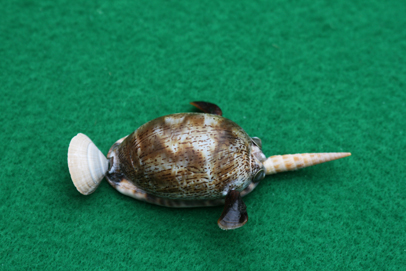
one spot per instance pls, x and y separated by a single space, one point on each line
208 108
234 213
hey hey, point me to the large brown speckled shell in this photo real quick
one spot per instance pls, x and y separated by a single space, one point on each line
186 156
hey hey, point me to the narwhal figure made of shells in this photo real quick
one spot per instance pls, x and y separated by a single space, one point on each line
185 160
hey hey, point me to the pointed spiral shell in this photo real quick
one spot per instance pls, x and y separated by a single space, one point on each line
288 162
87 164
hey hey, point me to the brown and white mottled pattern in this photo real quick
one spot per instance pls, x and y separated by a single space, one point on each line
186 156
129 189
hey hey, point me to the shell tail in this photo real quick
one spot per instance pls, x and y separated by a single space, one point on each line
87 164
288 162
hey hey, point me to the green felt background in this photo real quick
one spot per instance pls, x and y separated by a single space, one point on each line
304 76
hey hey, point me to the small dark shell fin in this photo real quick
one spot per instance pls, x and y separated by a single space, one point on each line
257 142
234 213
208 108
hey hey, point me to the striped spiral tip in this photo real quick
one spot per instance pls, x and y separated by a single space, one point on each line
289 162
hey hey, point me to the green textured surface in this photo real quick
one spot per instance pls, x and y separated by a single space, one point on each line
304 76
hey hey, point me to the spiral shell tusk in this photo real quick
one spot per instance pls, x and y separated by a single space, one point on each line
87 164
288 162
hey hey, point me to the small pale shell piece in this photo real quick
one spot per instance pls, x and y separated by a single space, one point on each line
289 162
87 164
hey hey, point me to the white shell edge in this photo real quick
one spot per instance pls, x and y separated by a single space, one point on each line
87 164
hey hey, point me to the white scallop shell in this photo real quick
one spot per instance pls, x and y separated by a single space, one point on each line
87 164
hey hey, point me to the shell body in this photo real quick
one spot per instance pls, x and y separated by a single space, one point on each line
185 160
186 156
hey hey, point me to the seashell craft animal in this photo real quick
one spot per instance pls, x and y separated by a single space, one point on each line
185 160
